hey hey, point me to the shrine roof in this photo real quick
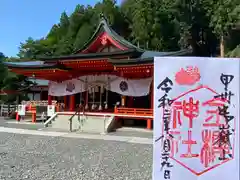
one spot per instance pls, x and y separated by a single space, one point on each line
129 52
148 57
105 27
151 54
33 65
25 63
130 62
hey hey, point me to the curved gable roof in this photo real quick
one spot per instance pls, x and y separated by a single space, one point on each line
104 27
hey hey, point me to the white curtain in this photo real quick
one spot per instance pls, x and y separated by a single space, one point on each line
129 87
116 84
65 88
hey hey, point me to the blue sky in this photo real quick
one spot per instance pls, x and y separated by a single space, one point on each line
20 19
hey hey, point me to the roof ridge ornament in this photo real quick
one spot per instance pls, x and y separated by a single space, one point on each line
102 17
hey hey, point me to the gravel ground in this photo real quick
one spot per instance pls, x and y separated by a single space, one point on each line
22 126
46 158
132 133
11 123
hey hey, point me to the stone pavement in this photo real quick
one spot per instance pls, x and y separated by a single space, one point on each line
40 155
106 137
29 151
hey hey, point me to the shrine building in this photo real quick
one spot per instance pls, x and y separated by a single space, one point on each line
107 75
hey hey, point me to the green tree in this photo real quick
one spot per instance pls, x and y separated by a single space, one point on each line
153 25
83 35
163 25
10 82
3 70
224 16
16 88
194 27
235 52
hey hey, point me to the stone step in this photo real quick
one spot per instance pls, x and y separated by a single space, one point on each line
88 124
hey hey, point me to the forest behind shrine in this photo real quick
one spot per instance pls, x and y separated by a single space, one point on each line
209 27
161 25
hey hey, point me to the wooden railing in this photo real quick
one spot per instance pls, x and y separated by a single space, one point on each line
134 111
31 109
7 109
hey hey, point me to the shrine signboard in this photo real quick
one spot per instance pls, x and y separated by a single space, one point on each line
196 118
21 110
50 110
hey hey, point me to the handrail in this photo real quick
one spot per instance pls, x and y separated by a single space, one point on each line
50 119
73 115
70 119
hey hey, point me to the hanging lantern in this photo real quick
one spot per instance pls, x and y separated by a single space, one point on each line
86 88
90 90
106 105
102 89
92 107
100 107
80 99
93 91
100 94
107 88
86 106
96 89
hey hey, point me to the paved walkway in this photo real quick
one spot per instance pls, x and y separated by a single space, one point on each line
128 139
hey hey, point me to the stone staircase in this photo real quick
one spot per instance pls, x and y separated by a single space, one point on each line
83 123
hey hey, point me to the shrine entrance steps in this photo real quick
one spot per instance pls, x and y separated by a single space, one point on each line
87 123
99 122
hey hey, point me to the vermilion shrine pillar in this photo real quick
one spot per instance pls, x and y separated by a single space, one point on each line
130 101
152 97
72 102
149 121
49 100
65 102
